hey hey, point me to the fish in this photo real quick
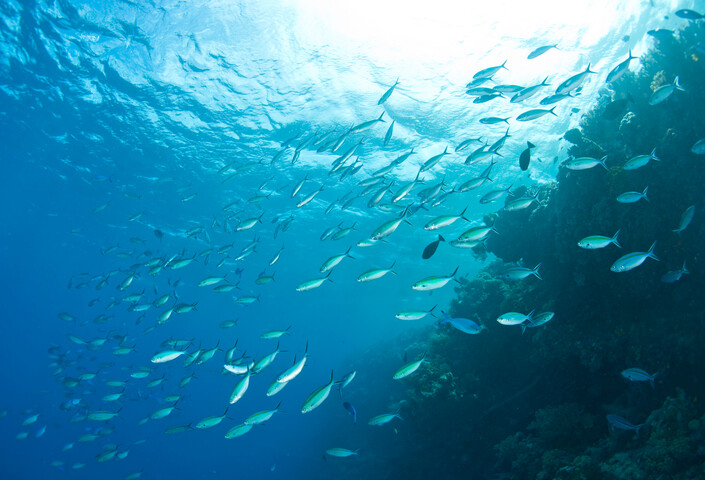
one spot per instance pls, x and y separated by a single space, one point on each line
465 325
620 69
432 283
555 98
311 284
414 314
515 318
341 384
239 430
261 417
318 396
584 163
388 135
445 220
433 161
383 419
386 94
241 387
525 156
519 273
686 218
487 98
665 91
615 421
167 356
341 452
540 51
476 234
699 147
490 71
520 203
633 197
162 413
534 114
275 388
408 369
638 375
335 260
633 260
376 273
594 242
431 248
528 92
387 228
292 372
688 14
494 195
574 82
102 416
265 361
348 406
366 125
537 320
462 145
275 333
673 276
494 120
641 160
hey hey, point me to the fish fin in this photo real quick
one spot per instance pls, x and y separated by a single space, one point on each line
614 238
651 252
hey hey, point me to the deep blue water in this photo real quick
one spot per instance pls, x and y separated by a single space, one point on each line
113 109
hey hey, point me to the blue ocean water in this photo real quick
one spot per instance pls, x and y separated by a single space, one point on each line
148 131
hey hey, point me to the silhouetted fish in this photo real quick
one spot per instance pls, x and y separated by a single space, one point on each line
348 406
525 156
432 247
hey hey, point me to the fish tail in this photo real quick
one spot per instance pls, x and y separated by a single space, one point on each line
678 85
535 272
614 238
651 252
603 161
644 194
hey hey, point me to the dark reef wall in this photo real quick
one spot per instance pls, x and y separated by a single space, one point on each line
506 405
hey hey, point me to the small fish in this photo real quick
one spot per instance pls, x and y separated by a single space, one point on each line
493 120
620 69
445 220
537 320
633 260
348 406
376 273
494 195
317 397
540 51
519 273
433 161
341 452
383 419
574 82
525 156
465 325
386 94
489 72
534 114
594 242
210 422
661 33
664 91
615 421
528 92
311 284
414 314
432 283
409 368
515 318
432 247
366 125
633 197
641 160
167 356
239 430
388 135
335 260
261 417
673 276
584 163
686 218
638 375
